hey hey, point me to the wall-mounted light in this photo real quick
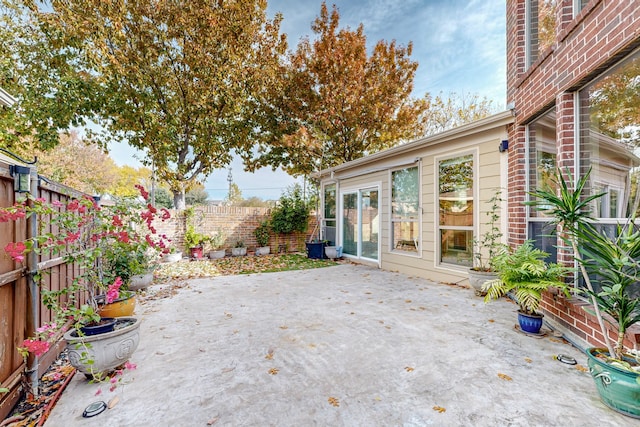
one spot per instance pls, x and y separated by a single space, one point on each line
21 178
21 174
504 145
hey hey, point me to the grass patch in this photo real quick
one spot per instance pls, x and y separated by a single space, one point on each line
238 265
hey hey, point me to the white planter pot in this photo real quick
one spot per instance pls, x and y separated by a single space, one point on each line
107 351
174 257
141 281
217 254
478 278
238 251
333 252
263 250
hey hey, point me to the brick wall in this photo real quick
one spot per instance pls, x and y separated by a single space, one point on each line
601 34
575 315
237 223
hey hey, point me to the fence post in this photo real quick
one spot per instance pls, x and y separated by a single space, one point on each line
33 311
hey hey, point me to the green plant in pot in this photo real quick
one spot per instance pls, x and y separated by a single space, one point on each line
216 241
194 241
525 272
487 247
262 234
239 249
610 269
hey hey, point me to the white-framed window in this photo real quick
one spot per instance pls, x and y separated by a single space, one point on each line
542 163
405 210
455 198
329 204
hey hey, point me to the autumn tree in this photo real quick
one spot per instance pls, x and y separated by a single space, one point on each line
79 164
337 103
53 93
127 177
180 79
235 194
454 110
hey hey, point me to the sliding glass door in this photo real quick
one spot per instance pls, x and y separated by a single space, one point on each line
360 223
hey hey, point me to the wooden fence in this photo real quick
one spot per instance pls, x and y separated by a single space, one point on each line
21 309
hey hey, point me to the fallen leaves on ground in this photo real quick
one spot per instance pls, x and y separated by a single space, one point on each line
274 371
505 377
334 401
582 368
528 360
237 265
439 409
408 368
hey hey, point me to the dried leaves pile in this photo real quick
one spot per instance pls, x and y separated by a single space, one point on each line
237 265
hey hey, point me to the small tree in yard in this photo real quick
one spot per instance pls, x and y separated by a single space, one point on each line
291 214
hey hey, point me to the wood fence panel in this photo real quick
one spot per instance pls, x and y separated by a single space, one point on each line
13 301
16 320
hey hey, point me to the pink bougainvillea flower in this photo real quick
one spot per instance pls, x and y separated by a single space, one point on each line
165 214
152 208
15 250
123 237
113 290
72 237
116 221
73 205
36 347
57 203
130 366
98 392
143 192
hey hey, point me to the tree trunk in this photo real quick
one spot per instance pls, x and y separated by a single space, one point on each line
179 200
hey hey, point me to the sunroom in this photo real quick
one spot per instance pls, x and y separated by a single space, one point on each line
416 207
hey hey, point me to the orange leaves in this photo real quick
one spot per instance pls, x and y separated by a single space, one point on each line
439 409
274 371
334 401
408 368
505 377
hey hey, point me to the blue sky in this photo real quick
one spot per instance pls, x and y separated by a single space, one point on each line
459 45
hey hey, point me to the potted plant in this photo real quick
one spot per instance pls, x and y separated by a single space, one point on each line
194 242
525 272
90 238
613 263
239 249
487 247
262 233
216 241
333 252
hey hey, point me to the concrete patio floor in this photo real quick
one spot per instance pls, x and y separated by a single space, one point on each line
340 346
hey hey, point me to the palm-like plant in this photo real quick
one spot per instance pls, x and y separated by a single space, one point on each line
615 263
525 272
569 209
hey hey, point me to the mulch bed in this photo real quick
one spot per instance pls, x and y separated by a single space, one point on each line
33 411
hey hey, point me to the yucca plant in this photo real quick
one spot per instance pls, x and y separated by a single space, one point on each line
526 273
615 264
569 209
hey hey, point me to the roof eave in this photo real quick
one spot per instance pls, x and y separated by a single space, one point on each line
496 120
